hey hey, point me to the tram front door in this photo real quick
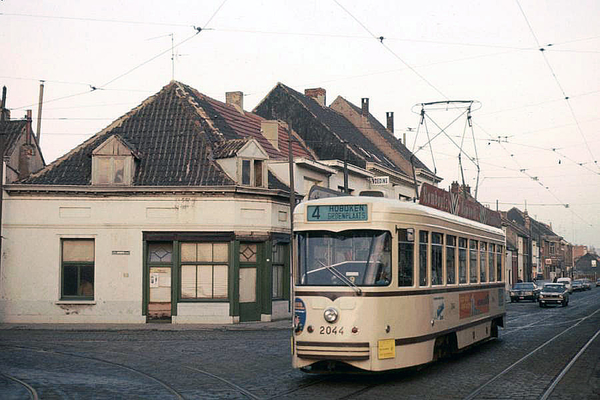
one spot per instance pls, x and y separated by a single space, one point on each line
249 281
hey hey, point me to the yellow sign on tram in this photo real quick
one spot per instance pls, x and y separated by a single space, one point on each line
386 348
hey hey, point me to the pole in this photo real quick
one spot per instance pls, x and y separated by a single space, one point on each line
292 205
345 167
2 144
39 121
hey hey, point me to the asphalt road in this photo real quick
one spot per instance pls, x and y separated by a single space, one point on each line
253 361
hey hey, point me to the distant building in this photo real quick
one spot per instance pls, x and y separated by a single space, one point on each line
587 266
340 132
579 251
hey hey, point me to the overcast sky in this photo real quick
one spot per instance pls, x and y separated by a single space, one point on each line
533 66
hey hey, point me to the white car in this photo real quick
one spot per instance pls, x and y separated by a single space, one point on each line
567 283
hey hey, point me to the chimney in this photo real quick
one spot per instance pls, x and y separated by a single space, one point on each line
270 130
236 99
454 187
317 94
4 113
390 121
26 151
365 106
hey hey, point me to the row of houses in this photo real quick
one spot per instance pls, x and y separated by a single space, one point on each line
536 252
180 209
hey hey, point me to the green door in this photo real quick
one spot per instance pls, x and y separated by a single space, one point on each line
249 281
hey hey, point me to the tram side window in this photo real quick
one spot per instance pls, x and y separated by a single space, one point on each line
483 261
472 261
491 264
462 260
437 243
406 265
499 255
423 239
450 260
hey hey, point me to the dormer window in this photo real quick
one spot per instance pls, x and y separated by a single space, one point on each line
113 163
252 172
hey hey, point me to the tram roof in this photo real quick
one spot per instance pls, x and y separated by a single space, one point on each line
393 205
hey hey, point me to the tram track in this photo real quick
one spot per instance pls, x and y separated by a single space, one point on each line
496 377
32 392
166 386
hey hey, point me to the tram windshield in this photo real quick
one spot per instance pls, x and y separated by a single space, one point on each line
350 258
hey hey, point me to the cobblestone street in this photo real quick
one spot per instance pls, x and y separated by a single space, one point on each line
253 361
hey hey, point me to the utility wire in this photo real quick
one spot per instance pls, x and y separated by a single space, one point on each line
542 50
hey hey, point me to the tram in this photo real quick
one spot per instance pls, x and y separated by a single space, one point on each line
382 284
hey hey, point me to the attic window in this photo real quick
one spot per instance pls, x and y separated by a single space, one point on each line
112 163
252 172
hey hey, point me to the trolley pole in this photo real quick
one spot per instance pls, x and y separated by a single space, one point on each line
292 205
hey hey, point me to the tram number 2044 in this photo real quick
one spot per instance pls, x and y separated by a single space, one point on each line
331 330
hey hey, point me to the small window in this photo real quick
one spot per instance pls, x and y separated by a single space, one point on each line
423 246
499 256
406 263
483 261
491 265
450 260
462 260
253 173
472 261
246 172
112 170
437 244
258 173
77 269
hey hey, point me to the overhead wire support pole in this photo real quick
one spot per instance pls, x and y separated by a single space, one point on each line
292 206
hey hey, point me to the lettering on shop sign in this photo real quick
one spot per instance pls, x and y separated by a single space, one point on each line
120 252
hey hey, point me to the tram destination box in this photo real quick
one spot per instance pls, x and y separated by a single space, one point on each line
338 212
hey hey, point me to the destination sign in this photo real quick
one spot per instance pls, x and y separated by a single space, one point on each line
346 212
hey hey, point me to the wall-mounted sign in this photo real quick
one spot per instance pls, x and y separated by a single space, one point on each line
120 252
548 261
593 263
380 180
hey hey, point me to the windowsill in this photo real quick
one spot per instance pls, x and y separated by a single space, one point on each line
75 301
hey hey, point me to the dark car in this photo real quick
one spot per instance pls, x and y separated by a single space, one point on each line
554 293
524 291
597 282
577 285
587 284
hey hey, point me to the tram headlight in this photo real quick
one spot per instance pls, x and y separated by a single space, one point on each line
331 315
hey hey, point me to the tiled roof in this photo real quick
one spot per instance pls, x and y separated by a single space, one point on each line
12 130
326 130
391 139
174 134
228 148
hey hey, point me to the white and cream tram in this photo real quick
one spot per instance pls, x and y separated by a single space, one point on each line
382 284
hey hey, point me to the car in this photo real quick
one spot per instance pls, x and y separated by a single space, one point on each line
567 282
587 284
597 282
524 291
577 285
554 293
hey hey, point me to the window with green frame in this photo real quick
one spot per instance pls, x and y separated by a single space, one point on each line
77 269
204 270
280 270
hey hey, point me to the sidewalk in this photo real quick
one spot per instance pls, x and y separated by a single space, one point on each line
283 324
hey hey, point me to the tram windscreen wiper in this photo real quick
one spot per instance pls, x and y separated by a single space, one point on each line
338 274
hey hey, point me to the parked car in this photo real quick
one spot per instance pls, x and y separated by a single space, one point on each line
577 285
524 291
587 284
554 293
597 282
566 282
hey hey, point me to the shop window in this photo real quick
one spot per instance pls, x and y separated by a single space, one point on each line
204 270
280 274
77 269
406 257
